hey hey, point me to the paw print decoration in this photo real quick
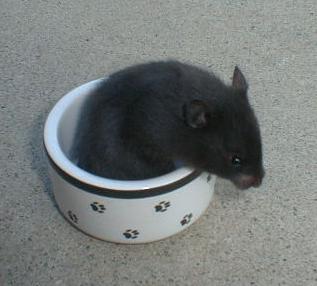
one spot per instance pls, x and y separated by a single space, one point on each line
162 206
72 217
186 219
131 234
97 207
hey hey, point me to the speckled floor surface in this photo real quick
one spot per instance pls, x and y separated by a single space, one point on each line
265 236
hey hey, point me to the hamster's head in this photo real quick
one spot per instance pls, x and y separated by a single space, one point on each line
226 138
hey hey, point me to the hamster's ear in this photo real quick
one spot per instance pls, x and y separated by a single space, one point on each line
196 114
238 80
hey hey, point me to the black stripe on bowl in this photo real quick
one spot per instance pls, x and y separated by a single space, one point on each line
132 194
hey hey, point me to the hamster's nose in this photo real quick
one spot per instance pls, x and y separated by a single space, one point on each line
247 181
256 181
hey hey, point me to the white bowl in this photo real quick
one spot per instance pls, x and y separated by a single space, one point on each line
118 211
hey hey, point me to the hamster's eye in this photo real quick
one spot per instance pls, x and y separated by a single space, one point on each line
236 161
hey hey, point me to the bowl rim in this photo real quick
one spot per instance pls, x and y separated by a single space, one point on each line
73 173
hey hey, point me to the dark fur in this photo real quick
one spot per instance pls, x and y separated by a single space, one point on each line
145 117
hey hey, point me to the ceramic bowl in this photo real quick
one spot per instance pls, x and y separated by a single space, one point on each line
118 211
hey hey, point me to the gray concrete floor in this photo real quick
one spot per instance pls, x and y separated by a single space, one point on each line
265 236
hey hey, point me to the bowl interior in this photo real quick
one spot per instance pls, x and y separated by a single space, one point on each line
67 125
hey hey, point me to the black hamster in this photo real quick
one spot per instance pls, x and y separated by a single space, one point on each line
144 118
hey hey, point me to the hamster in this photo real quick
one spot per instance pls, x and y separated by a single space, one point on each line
144 118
